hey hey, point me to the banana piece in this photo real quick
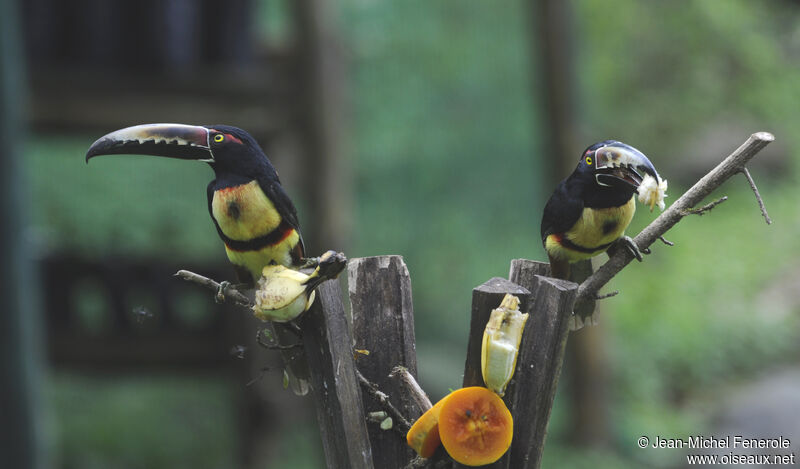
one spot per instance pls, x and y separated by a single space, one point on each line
282 294
500 346
652 192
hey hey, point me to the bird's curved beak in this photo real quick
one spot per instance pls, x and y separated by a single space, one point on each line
621 165
188 142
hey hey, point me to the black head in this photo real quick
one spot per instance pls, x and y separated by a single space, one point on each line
615 166
236 151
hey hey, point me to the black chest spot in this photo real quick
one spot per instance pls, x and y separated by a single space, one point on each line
233 210
609 226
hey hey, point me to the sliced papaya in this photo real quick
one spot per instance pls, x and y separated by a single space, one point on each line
475 426
423 437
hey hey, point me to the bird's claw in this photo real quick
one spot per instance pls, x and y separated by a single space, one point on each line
220 296
328 267
630 244
308 263
577 323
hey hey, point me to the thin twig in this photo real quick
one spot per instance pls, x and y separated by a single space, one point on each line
758 196
274 346
607 295
731 165
412 387
260 376
705 208
439 460
402 424
666 241
228 291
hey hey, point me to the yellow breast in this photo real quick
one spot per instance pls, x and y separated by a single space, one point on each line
598 226
254 261
244 212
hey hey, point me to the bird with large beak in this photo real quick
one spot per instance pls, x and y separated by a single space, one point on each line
590 210
252 213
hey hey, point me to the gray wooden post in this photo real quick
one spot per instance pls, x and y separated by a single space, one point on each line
532 391
328 346
383 326
485 298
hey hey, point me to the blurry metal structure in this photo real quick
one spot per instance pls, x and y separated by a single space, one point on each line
168 331
21 444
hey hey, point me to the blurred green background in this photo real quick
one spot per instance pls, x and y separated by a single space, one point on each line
449 165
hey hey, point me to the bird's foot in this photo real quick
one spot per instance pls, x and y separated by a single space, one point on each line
630 245
327 266
577 323
331 263
220 296
308 263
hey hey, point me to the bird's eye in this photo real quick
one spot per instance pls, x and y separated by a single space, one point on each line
219 137
589 160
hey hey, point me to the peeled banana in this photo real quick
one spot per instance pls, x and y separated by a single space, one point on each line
284 293
500 346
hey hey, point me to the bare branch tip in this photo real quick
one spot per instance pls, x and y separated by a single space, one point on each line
607 295
760 201
705 208
383 399
763 136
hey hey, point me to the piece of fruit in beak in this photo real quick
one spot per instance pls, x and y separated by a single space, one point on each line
652 192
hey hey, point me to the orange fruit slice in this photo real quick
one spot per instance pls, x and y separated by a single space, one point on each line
423 437
475 426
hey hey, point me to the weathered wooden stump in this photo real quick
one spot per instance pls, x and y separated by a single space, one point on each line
383 327
383 338
328 346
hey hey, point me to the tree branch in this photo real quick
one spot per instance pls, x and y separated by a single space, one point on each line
606 295
227 290
705 208
758 196
412 387
666 241
403 425
735 163
273 344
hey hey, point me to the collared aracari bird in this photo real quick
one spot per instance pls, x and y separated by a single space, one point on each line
590 209
252 213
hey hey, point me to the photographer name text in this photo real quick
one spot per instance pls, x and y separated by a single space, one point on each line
733 442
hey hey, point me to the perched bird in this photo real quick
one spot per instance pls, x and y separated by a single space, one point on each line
590 210
252 213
